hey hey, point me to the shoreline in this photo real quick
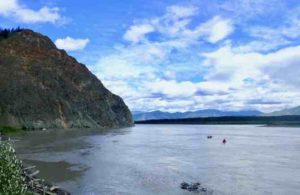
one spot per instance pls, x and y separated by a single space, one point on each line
36 185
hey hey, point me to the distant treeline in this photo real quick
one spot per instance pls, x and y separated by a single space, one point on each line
7 32
260 120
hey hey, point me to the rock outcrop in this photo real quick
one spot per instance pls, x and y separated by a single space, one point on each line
43 87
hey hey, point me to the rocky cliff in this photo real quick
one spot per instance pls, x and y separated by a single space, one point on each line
43 87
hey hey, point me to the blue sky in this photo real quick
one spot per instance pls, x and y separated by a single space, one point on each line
177 55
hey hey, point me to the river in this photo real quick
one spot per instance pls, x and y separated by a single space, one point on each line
155 159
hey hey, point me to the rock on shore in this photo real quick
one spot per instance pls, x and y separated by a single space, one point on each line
43 87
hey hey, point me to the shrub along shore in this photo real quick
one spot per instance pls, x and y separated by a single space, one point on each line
17 179
9 130
11 178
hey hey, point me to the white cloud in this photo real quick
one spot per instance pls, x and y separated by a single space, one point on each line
174 27
8 6
270 38
172 88
261 45
219 29
138 71
117 68
273 76
71 44
13 9
166 73
136 33
247 78
182 11
122 87
44 14
246 9
214 30
228 65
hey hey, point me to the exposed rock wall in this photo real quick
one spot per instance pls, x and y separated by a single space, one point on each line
42 87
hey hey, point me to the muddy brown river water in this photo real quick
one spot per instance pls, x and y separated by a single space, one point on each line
155 159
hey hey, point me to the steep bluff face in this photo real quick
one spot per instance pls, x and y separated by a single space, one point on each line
42 87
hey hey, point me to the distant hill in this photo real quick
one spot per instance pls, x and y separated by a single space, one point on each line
290 111
154 115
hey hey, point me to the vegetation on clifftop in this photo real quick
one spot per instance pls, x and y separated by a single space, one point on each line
5 33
